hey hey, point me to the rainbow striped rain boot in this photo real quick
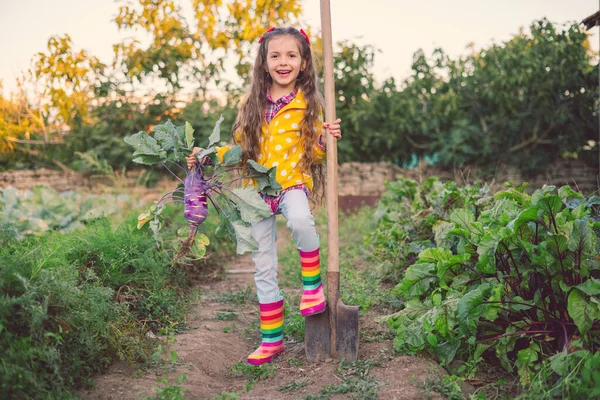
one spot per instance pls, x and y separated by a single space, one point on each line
271 326
313 296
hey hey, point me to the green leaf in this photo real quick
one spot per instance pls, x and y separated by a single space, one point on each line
463 218
487 254
189 135
434 255
252 207
432 339
146 159
201 238
582 239
470 307
528 215
143 144
215 137
519 197
447 351
417 278
239 232
557 245
566 193
233 156
550 205
591 287
164 139
266 178
582 312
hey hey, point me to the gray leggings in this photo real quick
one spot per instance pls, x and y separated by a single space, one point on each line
295 208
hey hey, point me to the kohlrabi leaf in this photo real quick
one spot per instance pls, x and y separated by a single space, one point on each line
147 159
252 207
189 135
240 233
266 178
205 152
233 156
143 144
215 137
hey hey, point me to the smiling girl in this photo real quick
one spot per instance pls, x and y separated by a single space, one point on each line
280 124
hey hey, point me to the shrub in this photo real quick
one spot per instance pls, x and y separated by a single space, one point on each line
513 277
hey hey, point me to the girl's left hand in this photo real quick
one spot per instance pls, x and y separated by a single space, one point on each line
334 128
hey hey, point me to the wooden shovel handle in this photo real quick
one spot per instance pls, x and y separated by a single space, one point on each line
332 164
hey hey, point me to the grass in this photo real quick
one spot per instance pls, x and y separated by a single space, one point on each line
359 284
226 315
237 298
293 386
253 373
356 382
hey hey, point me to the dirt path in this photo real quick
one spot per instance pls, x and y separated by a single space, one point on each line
221 333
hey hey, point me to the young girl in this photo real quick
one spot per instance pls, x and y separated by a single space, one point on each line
280 124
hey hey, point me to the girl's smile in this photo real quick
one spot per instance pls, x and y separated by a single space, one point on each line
284 64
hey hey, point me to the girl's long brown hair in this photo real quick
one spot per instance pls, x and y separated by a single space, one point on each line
247 128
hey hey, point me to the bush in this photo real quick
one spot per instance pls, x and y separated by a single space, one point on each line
512 278
64 312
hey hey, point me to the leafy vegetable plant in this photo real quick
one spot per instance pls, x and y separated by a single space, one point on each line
509 277
210 179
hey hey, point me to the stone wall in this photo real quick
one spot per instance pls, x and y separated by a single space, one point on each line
354 179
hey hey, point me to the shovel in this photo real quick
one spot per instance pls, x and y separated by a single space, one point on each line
333 333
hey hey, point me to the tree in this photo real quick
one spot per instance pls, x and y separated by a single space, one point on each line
196 51
68 79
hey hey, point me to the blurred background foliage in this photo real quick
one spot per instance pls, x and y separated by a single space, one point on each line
527 102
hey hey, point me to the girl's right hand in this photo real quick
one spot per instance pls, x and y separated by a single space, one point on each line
191 159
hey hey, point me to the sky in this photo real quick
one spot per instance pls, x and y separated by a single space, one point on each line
397 28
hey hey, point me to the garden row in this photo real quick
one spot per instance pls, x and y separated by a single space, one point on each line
507 279
80 291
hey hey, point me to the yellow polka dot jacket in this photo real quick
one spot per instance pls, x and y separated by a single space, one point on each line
281 145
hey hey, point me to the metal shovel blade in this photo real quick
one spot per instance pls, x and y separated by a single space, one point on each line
317 337
333 333
346 332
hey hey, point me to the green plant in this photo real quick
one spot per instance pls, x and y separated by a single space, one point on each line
170 392
226 396
28 212
512 277
238 207
226 315
293 385
565 375
448 386
356 381
237 298
254 373
72 303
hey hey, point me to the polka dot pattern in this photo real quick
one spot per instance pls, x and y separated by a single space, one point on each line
282 145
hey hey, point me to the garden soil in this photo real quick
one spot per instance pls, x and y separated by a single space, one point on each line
210 347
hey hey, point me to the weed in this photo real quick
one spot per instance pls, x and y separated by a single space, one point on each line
238 298
294 362
293 386
226 396
356 381
170 392
293 327
228 328
374 335
255 373
448 386
226 315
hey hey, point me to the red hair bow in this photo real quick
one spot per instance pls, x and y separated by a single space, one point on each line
262 37
305 36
